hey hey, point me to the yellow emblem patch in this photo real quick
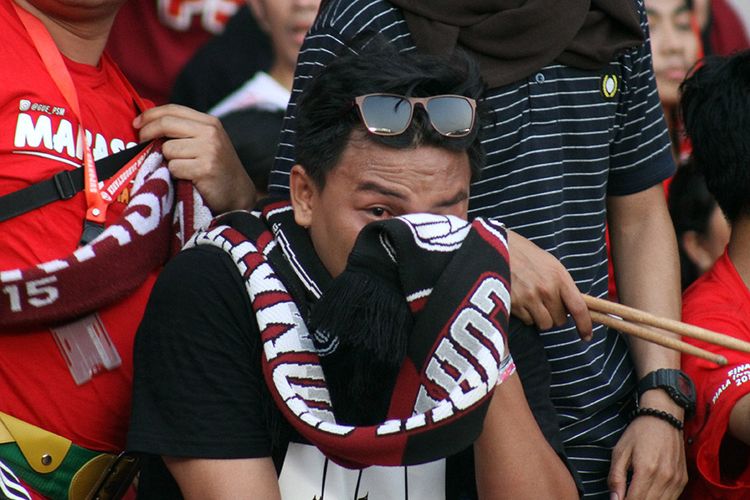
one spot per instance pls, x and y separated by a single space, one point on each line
609 85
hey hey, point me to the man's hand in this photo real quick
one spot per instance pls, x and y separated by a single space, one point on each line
654 451
198 149
542 291
644 250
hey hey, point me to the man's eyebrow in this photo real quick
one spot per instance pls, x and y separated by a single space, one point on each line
457 198
374 186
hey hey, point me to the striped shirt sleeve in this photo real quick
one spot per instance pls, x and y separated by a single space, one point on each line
640 153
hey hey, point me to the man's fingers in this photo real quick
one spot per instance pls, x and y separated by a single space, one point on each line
174 110
556 310
169 127
654 452
618 473
541 316
522 314
206 127
184 169
660 478
542 289
577 308
180 148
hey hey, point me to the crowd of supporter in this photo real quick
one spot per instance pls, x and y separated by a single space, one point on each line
222 221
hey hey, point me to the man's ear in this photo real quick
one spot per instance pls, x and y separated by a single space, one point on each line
302 193
692 244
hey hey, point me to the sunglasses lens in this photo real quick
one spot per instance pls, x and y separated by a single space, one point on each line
451 116
386 115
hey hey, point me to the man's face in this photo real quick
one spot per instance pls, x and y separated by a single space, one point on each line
374 182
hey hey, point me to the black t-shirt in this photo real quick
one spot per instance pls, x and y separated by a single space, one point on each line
199 390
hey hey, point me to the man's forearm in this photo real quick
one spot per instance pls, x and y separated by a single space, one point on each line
512 450
646 262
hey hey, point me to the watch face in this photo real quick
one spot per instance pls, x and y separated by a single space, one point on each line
685 386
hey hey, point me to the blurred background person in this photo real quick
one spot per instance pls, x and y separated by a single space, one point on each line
223 63
702 230
286 23
675 47
252 114
151 40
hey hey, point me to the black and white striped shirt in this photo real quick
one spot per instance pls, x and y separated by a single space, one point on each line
563 140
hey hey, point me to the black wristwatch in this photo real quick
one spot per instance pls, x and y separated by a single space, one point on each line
676 383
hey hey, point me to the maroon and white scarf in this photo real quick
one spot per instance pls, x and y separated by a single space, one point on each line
453 277
161 215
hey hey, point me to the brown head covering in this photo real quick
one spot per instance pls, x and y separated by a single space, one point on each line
513 38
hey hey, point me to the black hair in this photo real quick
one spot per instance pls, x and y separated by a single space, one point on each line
254 133
715 107
327 116
690 207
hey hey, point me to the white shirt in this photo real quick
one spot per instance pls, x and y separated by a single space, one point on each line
261 91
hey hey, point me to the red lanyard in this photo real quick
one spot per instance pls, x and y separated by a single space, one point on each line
97 200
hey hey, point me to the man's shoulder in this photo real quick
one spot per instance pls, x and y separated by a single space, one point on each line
719 301
720 286
352 17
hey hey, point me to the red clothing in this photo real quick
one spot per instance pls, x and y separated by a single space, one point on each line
719 301
726 33
152 40
38 140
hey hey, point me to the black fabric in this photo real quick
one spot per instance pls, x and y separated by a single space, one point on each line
223 63
203 402
512 39
155 482
254 133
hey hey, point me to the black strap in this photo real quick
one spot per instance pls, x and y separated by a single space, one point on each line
63 185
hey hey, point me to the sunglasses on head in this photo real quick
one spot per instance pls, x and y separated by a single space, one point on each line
391 114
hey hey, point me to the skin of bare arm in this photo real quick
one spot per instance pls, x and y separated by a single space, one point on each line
647 274
511 451
209 479
739 420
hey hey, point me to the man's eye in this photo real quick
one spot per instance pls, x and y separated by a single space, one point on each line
378 211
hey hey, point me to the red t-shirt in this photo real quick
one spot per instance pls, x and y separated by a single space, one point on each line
719 301
38 140
152 40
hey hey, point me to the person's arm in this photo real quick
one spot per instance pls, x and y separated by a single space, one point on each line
198 149
198 388
644 250
739 420
207 479
511 452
